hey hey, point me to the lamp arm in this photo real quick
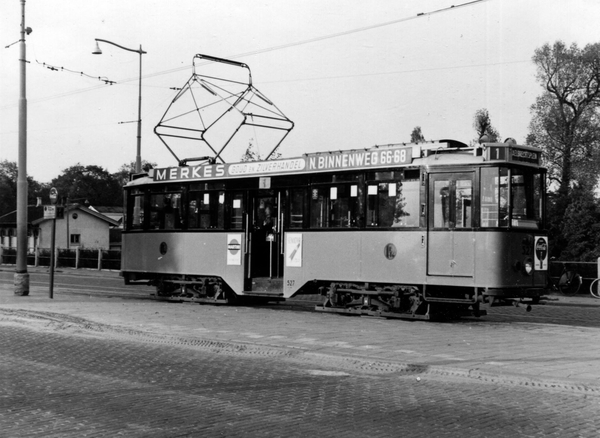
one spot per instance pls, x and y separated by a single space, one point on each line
140 51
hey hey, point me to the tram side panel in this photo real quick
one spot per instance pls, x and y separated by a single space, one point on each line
207 254
501 262
383 257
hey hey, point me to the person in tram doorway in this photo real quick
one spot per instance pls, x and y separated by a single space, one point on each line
265 237
268 224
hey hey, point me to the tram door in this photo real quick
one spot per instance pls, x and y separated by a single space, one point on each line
450 243
265 240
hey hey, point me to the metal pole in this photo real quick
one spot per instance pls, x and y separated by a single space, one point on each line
138 156
21 277
52 257
68 232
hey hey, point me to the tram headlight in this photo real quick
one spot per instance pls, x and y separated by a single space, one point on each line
528 266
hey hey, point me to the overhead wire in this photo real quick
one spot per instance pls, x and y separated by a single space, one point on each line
80 73
268 49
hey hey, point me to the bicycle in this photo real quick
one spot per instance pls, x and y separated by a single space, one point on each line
595 288
569 282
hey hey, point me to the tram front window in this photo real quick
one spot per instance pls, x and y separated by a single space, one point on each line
511 197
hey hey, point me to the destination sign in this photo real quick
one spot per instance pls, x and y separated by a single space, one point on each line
341 160
515 154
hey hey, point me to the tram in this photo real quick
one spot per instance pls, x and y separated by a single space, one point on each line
400 230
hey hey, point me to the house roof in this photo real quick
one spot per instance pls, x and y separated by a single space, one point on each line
85 210
115 213
33 214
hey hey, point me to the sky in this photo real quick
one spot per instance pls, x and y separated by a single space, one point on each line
350 74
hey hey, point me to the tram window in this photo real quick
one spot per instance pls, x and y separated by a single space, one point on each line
494 197
441 206
135 210
297 208
463 204
165 211
206 210
393 204
334 206
236 205
525 199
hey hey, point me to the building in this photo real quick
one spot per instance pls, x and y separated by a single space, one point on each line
8 228
80 227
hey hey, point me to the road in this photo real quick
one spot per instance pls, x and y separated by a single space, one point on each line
90 363
67 377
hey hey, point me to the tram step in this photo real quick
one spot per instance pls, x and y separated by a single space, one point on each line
269 285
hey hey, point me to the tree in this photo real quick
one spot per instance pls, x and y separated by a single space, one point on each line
416 136
91 183
580 236
566 127
251 155
8 187
483 126
565 120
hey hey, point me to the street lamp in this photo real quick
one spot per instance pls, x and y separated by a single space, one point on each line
138 157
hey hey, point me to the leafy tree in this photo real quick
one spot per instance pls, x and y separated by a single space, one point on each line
91 183
8 187
483 126
416 136
252 155
566 126
565 120
580 236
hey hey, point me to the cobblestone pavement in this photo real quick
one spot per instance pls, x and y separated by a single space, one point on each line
82 383
87 366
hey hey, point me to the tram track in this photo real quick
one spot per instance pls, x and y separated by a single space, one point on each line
91 284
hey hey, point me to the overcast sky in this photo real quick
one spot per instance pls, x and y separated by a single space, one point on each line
387 70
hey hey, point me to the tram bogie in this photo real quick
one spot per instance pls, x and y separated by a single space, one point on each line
415 231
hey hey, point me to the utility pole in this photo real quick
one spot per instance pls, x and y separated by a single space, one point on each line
21 278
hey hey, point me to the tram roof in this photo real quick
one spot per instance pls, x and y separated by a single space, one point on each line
442 152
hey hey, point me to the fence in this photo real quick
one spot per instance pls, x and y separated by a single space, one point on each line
77 258
589 271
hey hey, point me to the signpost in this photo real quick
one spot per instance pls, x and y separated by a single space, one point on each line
50 210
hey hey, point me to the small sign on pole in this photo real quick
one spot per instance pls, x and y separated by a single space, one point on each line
49 211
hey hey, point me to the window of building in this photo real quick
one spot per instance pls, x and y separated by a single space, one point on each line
75 239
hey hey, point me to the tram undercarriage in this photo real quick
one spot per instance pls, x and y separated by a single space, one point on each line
198 289
397 301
